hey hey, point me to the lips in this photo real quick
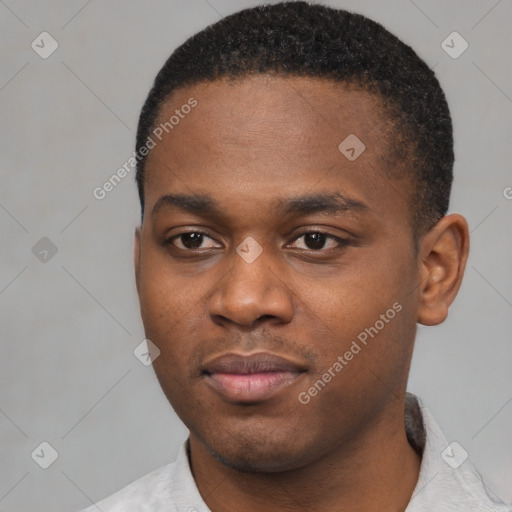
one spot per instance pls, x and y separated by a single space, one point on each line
250 378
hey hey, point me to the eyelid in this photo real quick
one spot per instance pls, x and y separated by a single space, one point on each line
170 239
341 241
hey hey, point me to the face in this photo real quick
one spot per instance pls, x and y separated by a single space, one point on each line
276 275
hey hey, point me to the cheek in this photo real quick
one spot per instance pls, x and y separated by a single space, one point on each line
165 296
167 305
354 298
366 317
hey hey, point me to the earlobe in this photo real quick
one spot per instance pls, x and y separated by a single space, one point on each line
136 257
444 253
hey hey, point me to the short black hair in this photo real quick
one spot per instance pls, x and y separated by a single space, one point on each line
310 40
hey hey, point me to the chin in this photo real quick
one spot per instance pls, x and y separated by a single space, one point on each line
256 463
261 454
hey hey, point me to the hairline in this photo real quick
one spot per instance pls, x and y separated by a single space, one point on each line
394 168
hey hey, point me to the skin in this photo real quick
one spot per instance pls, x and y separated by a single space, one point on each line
248 144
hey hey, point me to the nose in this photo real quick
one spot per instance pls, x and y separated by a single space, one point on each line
250 293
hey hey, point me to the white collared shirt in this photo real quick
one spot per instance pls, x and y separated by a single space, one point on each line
447 482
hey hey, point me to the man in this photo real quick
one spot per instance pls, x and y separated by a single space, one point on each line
294 170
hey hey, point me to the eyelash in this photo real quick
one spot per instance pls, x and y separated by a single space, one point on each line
342 242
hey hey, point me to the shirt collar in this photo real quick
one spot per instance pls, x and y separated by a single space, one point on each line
445 474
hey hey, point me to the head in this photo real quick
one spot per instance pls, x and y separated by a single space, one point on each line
294 190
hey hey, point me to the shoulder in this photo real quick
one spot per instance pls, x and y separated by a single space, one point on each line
149 493
166 489
448 481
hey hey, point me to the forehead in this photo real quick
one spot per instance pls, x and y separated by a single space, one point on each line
288 111
260 135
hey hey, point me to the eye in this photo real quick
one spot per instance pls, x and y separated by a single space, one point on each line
317 240
191 240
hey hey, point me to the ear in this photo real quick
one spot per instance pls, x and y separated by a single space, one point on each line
136 257
444 253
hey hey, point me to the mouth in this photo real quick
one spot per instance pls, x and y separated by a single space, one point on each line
250 378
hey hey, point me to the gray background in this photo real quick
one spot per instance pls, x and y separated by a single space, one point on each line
68 326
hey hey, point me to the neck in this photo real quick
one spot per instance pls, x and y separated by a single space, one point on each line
377 471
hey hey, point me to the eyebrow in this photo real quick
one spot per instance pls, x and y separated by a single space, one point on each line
194 203
336 204
205 205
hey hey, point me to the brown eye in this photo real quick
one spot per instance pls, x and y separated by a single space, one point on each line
316 241
191 240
